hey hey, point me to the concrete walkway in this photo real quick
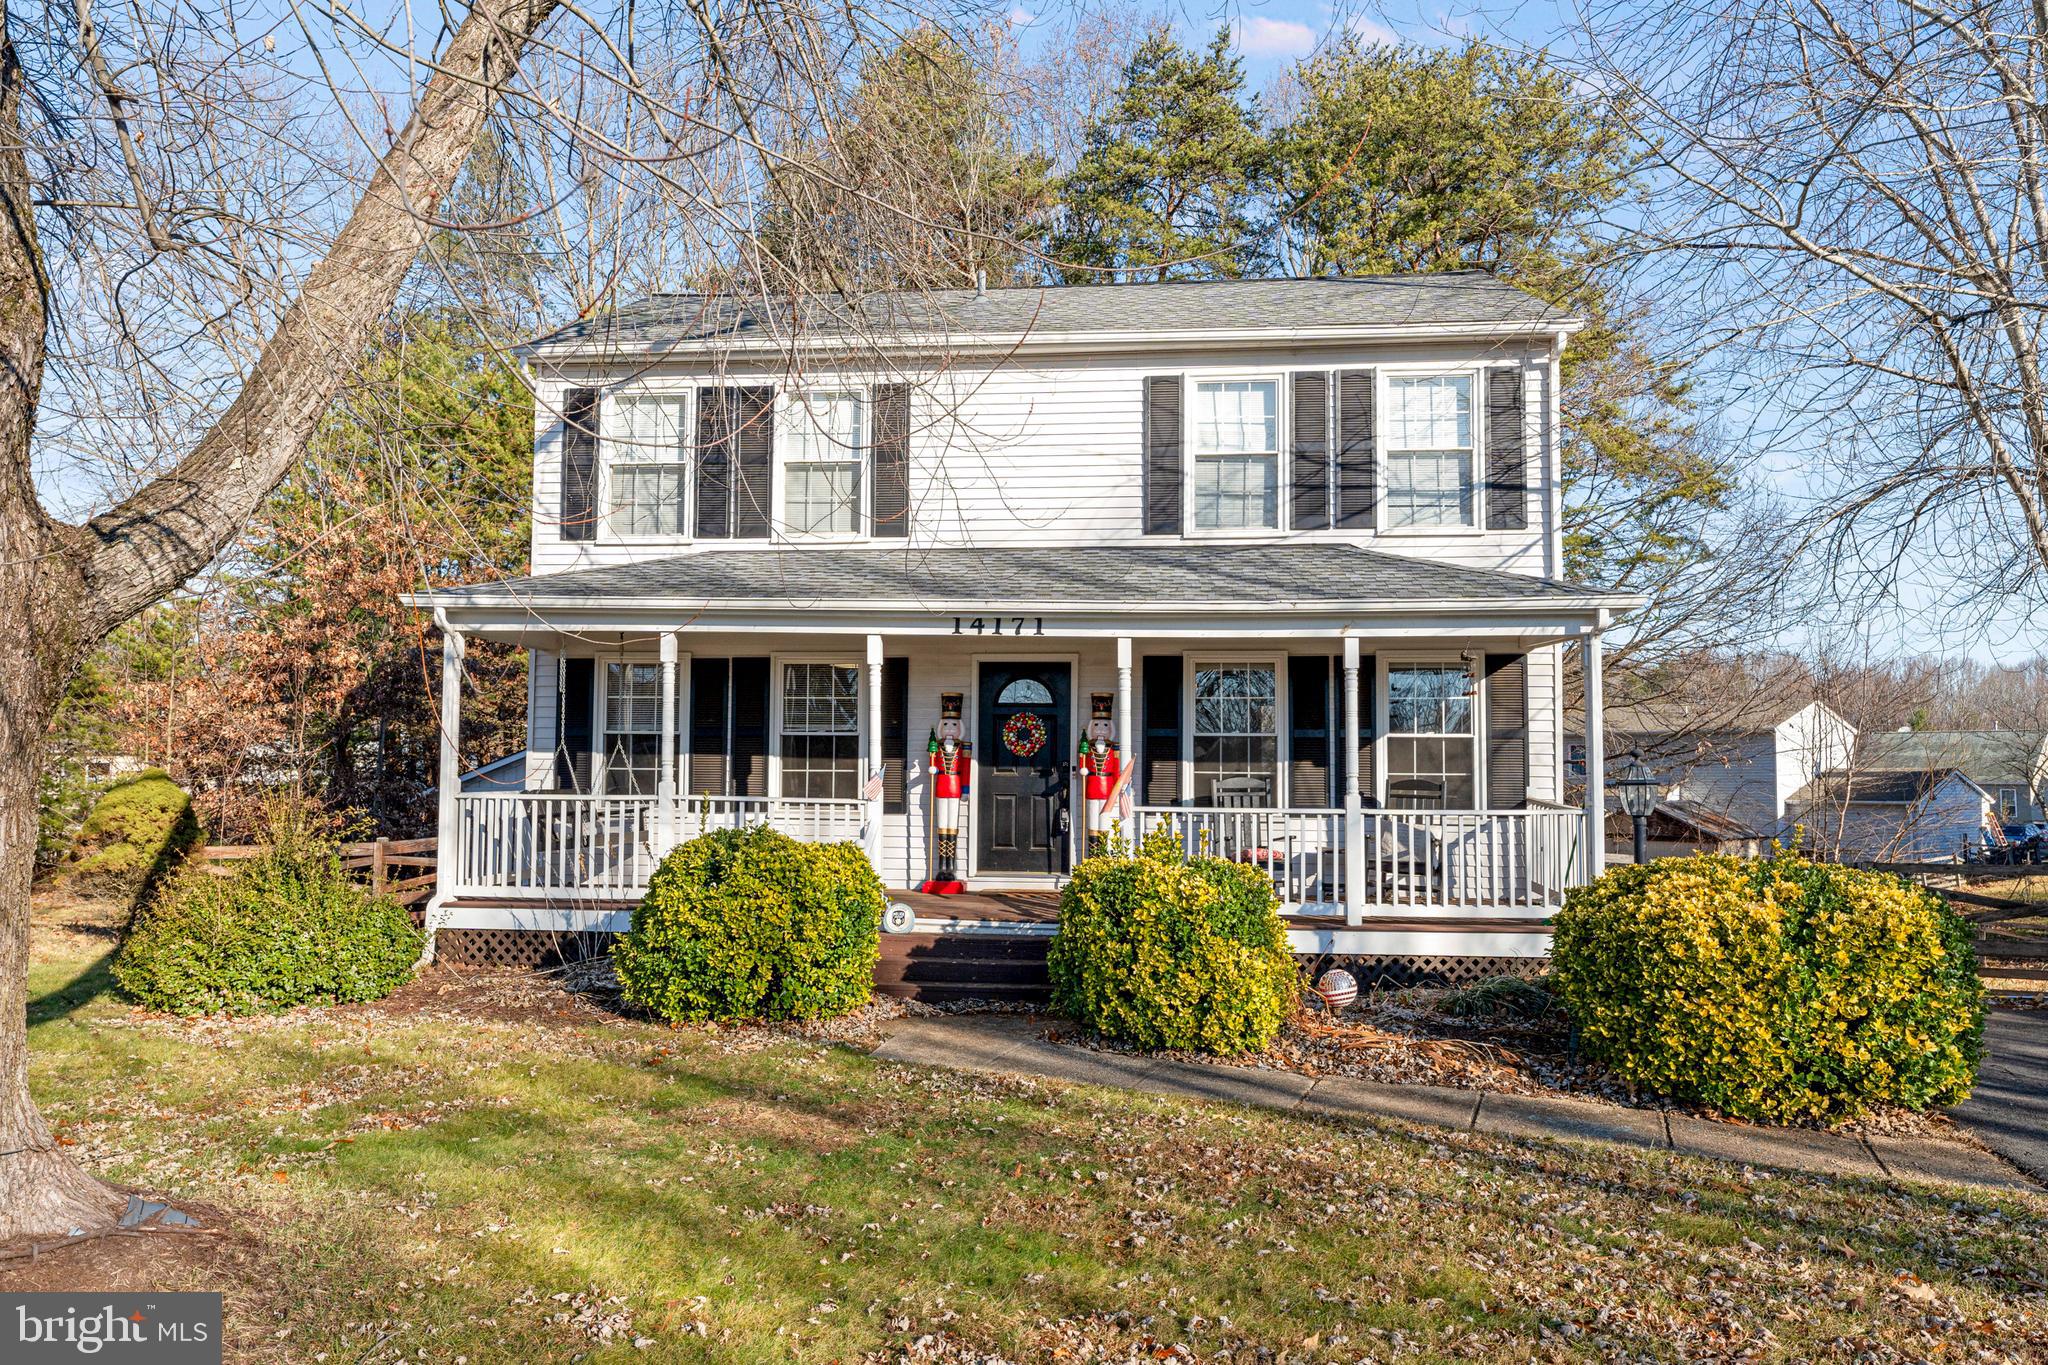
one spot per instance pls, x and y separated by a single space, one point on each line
1011 1044
2008 1111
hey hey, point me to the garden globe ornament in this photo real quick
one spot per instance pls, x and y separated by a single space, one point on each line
1337 988
899 919
1637 787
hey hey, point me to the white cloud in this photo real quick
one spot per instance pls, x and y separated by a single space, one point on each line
1262 37
1022 18
1372 30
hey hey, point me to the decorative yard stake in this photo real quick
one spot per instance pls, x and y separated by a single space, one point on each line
1100 763
1337 988
952 768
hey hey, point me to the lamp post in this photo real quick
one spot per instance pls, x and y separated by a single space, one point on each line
1638 797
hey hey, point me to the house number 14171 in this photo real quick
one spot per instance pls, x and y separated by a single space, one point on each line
999 625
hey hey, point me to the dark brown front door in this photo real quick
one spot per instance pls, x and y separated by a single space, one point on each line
1021 769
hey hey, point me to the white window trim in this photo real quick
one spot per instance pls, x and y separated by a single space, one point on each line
786 403
1383 409
1189 455
1283 747
608 421
775 663
1383 730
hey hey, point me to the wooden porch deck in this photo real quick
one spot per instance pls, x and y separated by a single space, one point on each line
1043 908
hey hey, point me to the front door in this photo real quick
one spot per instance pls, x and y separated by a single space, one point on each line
1021 769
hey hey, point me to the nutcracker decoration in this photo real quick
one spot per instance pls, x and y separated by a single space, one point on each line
951 765
1100 764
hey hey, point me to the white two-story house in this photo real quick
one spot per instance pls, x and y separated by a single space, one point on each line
1297 540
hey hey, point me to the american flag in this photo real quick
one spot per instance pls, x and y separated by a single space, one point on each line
874 787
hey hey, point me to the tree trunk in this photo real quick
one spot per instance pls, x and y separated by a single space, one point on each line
62 588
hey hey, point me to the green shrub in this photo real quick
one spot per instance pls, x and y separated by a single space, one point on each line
1163 952
752 924
1772 989
287 928
137 833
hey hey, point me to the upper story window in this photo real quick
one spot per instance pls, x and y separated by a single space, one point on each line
823 457
1236 438
646 461
1429 455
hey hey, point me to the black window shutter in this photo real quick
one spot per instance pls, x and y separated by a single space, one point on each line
579 464
1308 721
895 733
750 727
892 461
754 483
1162 455
714 464
1507 731
574 715
1507 480
1161 721
710 681
1311 426
1356 453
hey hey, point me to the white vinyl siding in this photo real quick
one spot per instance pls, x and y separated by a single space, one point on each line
1430 453
646 466
1236 431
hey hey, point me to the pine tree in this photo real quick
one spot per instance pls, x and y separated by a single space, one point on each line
1164 185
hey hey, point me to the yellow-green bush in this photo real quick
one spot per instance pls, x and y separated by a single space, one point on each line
751 924
1772 988
288 928
1166 953
136 834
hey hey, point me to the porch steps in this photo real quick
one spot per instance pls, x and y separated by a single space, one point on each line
942 968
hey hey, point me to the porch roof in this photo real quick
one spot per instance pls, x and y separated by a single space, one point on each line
1134 578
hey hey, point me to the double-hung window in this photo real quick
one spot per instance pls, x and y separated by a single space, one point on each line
820 731
1430 751
1237 735
1236 435
646 459
1430 456
632 728
826 448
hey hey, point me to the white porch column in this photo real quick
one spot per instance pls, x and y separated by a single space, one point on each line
873 772
665 783
1354 808
448 853
1125 738
1596 757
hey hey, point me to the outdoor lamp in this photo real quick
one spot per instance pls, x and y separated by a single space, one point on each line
1638 797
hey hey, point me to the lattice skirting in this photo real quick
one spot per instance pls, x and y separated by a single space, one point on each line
516 948
1396 972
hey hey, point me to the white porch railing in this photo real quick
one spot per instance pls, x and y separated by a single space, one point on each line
1302 850
547 844
1478 864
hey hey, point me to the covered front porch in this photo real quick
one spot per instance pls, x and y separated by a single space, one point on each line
1395 766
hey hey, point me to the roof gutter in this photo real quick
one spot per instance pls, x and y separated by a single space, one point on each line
441 603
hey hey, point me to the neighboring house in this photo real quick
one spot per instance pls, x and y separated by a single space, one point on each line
1677 827
1295 544
2010 764
1898 815
1740 765
507 774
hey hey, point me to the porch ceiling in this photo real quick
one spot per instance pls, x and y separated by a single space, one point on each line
1135 580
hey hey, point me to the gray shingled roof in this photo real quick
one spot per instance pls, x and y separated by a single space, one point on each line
1900 787
672 321
1166 576
1988 757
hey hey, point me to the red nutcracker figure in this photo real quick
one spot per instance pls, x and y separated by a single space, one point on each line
1100 763
951 764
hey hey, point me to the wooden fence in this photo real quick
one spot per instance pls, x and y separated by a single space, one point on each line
402 869
2009 955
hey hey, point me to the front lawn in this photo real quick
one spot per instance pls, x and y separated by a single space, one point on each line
502 1173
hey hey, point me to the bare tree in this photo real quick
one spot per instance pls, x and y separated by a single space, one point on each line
1854 201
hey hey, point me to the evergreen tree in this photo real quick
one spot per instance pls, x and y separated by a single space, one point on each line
919 182
1164 185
